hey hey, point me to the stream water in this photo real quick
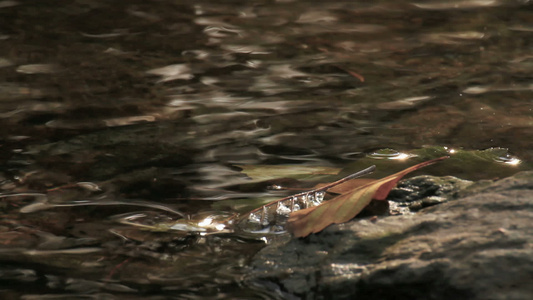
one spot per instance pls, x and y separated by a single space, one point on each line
117 116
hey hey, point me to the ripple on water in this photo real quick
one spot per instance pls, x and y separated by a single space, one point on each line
388 153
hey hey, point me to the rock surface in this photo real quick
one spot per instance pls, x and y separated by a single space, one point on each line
478 246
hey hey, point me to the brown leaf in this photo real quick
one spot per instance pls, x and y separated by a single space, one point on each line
296 200
347 205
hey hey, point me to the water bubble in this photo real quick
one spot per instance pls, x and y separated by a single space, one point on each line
316 198
310 197
294 204
312 200
296 207
302 200
319 196
254 218
283 208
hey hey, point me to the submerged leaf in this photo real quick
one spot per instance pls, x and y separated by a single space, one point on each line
347 205
495 162
260 173
202 223
42 204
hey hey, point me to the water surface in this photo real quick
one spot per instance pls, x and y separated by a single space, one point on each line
154 103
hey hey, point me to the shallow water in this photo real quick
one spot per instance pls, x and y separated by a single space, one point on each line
145 106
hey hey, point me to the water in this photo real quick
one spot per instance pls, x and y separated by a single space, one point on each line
153 104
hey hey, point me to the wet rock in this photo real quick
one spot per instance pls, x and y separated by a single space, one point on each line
478 246
422 191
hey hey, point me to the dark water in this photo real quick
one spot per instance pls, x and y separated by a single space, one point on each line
155 103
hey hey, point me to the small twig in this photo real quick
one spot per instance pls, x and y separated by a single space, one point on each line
116 268
354 74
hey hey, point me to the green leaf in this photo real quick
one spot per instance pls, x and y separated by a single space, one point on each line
260 173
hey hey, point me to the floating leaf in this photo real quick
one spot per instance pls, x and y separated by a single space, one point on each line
346 206
272 216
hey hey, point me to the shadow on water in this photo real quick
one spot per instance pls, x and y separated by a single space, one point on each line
119 116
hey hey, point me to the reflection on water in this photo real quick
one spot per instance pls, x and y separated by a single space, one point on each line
154 103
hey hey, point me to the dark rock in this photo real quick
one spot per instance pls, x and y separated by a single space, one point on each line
419 192
478 246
